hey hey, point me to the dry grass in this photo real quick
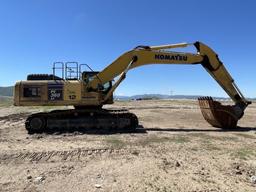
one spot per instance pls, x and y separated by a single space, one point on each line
244 153
6 101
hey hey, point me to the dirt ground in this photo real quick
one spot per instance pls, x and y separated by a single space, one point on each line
175 151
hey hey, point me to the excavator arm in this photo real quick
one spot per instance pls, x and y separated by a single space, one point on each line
216 114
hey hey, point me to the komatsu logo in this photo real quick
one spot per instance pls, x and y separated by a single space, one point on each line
171 57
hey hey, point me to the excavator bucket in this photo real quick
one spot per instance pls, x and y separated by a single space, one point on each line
216 114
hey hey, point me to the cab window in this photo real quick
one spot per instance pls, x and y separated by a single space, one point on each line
107 86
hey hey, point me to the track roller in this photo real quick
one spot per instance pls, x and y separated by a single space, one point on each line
35 124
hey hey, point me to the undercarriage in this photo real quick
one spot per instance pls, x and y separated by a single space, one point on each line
82 119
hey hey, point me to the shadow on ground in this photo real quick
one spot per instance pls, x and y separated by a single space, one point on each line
238 129
142 130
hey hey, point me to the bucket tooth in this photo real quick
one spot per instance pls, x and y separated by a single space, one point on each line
216 114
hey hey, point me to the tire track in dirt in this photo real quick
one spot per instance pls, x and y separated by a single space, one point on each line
60 156
14 117
13 120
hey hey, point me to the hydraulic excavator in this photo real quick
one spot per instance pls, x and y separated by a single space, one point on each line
88 90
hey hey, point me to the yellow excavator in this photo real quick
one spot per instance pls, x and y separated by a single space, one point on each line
88 91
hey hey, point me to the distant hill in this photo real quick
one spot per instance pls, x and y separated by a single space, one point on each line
160 96
6 91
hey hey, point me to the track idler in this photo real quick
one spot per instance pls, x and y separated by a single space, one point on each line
218 115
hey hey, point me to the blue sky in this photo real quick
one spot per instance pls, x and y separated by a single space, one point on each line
35 33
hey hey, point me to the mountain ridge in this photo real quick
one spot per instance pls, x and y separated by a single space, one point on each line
6 91
161 96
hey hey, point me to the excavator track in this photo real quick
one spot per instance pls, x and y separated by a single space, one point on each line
95 120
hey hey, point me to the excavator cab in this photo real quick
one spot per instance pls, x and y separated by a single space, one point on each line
88 76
